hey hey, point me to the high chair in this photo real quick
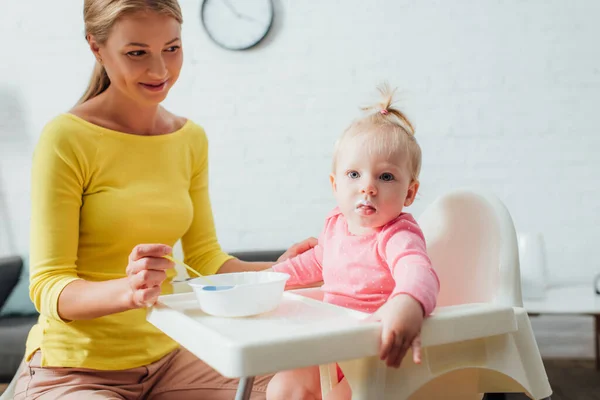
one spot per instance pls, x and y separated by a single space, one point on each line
479 339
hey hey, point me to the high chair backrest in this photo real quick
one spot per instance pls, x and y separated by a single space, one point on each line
472 243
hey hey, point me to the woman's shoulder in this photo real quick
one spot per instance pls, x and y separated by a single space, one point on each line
178 123
64 128
190 125
90 115
64 138
194 131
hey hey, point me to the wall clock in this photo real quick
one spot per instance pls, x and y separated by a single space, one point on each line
237 24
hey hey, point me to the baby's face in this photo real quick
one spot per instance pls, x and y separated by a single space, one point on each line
371 189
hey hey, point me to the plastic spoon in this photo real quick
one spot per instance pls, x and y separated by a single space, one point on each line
212 286
176 261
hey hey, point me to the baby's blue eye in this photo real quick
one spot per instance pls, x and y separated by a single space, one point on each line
386 176
353 175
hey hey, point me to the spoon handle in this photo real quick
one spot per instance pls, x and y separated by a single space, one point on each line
170 258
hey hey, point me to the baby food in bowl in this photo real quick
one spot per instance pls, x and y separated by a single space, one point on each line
240 294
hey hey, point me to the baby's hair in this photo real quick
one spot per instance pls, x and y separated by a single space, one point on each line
388 131
385 113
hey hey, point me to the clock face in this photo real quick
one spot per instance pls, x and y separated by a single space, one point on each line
237 24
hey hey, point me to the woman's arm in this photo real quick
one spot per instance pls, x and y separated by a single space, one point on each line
81 299
235 265
60 171
146 272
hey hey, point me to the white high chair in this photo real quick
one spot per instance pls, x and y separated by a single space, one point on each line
479 339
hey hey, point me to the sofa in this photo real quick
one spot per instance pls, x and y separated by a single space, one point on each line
15 328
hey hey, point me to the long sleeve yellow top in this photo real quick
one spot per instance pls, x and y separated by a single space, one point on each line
96 193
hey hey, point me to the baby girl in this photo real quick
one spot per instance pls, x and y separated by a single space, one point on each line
371 256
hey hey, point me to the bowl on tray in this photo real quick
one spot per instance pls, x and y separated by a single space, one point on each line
239 294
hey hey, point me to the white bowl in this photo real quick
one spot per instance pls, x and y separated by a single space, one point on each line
251 293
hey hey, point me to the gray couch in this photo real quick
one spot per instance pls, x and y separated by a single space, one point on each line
14 329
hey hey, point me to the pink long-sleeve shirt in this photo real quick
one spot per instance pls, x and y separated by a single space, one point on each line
363 272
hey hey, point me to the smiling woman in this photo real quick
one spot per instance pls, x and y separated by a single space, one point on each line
116 182
142 56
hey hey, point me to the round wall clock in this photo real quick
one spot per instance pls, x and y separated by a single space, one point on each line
237 24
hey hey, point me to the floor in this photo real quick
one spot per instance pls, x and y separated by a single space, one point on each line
569 337
573 380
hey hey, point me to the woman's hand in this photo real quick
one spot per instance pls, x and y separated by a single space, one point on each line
298 249
402 318
235 265
146 271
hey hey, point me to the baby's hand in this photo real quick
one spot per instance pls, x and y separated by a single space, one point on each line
402 318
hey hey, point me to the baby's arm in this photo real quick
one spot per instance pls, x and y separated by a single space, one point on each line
415 293
304 269
405 252
402 318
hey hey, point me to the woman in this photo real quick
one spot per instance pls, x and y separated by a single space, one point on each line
116 182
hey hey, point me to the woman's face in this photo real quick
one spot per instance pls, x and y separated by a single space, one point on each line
142 56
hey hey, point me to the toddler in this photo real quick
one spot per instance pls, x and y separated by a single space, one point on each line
371 256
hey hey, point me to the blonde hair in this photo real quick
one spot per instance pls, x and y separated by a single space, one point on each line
100 16
387 130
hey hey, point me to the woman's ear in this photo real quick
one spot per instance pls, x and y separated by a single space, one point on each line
95 47
413 188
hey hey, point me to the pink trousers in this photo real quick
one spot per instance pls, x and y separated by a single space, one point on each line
179 375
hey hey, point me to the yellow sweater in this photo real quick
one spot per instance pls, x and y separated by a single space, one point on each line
96 193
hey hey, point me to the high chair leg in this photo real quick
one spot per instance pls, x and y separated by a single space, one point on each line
329 379
537 380
366 377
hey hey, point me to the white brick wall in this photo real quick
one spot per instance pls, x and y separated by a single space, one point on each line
503 94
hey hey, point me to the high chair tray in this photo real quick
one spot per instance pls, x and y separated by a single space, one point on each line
304 331
300 332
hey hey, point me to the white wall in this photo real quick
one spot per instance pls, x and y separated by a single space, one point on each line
504 96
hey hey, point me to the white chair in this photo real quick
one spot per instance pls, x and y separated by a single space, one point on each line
479 339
